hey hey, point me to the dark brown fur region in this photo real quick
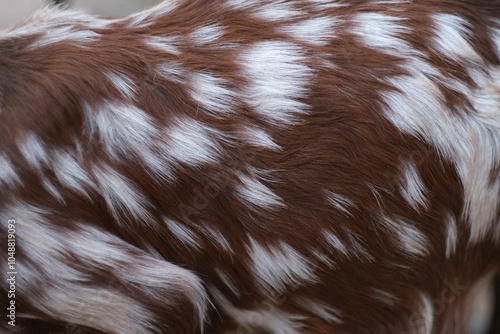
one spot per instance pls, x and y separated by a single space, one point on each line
251 166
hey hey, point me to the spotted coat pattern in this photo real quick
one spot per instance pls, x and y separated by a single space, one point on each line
225 166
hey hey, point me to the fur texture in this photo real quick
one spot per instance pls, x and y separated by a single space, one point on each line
230 166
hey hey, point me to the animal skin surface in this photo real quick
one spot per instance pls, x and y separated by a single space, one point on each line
247 166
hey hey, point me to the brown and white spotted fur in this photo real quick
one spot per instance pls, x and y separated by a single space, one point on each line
225 166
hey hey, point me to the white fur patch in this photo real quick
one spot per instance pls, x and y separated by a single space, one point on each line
183 233
415 107
53 25
81 305
278 78
123 84
212 93
41 20
34 152
218 239
413 188
495 34
356 246
452 36
53 190
270 317
426 324
323 258
318 31
382 32
273 11
167 44
71 174
408 237
69 295
143 270
485 97
192 143
66 34
208 34
451 235
260 138
254 192
121 195
149 16
385 297
277 267
335 242
341 203
8 174
241 4
270 11
470 141
172 71
159 165
122 128
327 313
327 4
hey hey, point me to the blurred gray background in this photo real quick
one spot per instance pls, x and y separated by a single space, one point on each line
13 11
